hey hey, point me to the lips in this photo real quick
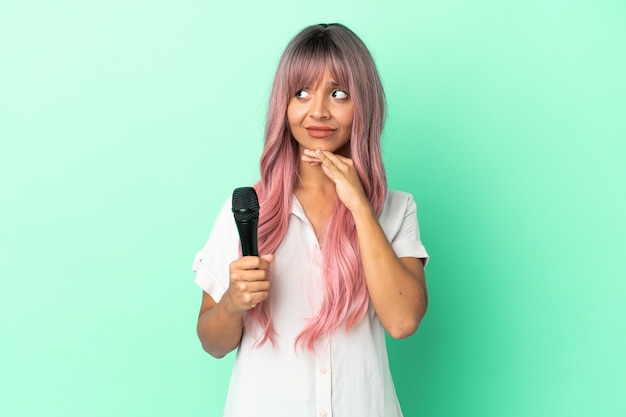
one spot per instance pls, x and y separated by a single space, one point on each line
320 131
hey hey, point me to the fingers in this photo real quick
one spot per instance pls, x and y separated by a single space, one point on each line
319 156
311 158
333 162
342 172
246 295
249 282
336 167
252 262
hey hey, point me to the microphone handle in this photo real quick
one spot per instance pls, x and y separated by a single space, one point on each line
248 237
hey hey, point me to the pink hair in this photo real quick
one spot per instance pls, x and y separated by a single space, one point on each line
314 49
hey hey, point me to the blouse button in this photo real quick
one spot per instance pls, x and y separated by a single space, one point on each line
323 414
323 371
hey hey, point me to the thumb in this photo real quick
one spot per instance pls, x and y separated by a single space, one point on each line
268 257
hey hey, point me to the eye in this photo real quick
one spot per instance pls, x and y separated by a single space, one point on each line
340 94
302 94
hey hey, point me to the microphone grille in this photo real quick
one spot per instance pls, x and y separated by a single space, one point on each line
245 204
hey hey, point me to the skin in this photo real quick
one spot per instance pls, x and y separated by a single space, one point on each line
320 119
220 325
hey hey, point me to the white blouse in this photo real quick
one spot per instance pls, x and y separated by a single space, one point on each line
348 374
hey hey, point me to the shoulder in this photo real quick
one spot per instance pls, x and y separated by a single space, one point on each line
399 222
398 206
397 202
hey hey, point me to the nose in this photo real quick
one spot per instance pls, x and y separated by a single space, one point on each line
319 107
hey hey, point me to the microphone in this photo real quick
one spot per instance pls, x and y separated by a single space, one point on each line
246 212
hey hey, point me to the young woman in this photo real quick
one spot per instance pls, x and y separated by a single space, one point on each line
341 261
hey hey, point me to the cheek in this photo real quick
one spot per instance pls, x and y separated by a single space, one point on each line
347 119
293 116
290 116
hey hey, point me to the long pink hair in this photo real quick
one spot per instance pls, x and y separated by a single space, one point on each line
310 52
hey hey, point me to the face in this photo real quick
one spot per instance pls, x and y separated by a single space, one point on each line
320 116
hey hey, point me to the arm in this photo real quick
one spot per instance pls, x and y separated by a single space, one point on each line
397 287
220 325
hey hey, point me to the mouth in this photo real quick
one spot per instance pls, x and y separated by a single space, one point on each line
320 131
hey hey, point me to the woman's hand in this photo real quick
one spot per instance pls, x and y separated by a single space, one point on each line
220 324
342 172
249 283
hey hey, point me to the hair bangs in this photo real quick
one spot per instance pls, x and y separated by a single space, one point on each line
311 60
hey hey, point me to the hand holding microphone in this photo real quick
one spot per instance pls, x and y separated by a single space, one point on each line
249 284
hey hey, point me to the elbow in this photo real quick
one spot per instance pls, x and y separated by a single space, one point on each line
404 326
209 345
403 329
216 353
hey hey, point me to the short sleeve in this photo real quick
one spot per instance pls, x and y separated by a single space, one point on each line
211 264
400 224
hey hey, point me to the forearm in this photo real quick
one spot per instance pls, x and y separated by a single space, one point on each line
220 325
220 330
397 292
396 287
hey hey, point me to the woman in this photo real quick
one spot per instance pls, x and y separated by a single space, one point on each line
341 256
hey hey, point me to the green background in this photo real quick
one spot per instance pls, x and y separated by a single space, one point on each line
125 124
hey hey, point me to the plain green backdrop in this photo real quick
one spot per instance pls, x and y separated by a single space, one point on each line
125 124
